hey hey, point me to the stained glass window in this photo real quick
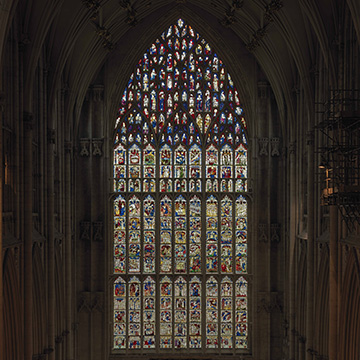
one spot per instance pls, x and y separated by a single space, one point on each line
180 208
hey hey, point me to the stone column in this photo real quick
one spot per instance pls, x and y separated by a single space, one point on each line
68 253
262 245
333 284
27 235
2 350
51 243
292 258
310 249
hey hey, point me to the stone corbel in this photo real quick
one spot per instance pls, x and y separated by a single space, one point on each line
98 303
275 142
263 237
84 147
263 142
97 147
85 302
98 231
269 306
85 230
275 233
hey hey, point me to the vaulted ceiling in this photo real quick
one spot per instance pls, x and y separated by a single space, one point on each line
278 41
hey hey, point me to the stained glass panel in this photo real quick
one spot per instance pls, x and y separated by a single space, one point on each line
212 313
180 178
119 235
119 314
211 234
195 313
134 311
180 309
165 235
180 235
149 313
165 313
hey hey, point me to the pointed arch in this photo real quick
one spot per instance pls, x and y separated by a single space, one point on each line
180 178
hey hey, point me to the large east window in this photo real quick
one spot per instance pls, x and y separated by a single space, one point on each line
180 214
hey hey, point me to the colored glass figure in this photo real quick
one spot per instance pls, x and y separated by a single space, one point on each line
180 162
134 314
166 314
226 313
195 313
226 218
212 313
180 313
241 322
165 235
180 149
241 236
119 235
195 235
180 235
149 235
119 314
134 227
149 314
195 162
211 234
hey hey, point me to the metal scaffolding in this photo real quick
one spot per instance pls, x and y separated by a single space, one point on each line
339 148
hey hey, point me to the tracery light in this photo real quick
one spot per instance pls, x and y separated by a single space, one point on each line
180 214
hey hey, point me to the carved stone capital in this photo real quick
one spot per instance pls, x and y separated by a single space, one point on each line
275 233
98 231
84 304
84 147
97 147
275 143
85 230
263 142
262 233
98 302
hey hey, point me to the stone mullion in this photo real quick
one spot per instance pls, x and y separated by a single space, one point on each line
68 254
2 349
292 250
27 236
310 250
333 284
51 243
263 244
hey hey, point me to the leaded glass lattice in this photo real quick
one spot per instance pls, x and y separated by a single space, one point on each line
180 211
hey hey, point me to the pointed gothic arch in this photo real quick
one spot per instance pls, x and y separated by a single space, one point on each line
180 161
